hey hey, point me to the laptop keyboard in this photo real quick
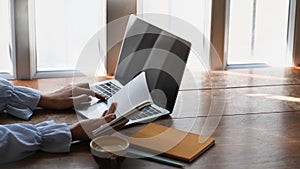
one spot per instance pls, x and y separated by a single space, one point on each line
148 111
107 89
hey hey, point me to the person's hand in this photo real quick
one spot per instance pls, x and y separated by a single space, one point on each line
67 97
82 130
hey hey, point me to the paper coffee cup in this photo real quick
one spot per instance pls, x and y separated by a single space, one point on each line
109 146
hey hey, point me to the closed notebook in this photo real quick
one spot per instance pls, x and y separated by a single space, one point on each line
170 142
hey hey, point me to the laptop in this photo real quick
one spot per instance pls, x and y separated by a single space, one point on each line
162 56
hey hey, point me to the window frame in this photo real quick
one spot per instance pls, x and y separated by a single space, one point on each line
21 34
296 48
219 34
220 30
116 9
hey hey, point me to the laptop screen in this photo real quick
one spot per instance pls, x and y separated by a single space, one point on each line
161 55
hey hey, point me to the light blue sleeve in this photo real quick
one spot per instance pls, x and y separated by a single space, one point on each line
18 101
18 141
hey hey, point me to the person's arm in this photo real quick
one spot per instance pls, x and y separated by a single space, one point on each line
18 101
68 96
18 141
82 130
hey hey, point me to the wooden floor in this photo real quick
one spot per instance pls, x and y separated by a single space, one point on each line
256 112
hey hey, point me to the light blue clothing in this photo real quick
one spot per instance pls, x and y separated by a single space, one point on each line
18 101
18 141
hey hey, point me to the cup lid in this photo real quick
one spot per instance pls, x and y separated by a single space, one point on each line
107 146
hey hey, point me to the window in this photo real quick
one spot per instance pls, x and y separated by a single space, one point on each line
59 29
6 63
46 37
62 28
186 10
194 13
258 32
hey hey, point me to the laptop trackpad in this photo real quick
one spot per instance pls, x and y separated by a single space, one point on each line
94 111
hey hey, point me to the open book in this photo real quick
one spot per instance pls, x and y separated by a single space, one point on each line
131 98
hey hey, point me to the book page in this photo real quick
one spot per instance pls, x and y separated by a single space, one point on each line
133 94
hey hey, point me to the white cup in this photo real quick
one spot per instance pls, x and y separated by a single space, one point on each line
107 146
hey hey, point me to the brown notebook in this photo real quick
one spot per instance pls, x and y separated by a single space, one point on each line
170 142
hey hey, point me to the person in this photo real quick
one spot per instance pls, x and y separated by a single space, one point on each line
18 141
